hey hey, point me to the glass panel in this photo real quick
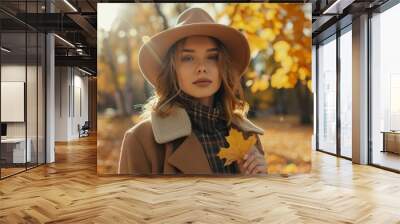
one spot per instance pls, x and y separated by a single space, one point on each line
31 98
23 89
31 101
13 86
346 94
327 97
41 98
385 89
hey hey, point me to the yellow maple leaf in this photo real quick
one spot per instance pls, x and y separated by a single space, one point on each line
238 146
289 169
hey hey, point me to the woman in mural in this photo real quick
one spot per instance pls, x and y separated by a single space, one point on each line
195 68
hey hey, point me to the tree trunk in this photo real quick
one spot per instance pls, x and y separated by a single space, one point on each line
305 103
129 96
280 102
119 95
161 14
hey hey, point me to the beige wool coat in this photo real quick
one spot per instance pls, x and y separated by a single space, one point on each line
147 146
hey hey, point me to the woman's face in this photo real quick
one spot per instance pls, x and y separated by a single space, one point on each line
197 68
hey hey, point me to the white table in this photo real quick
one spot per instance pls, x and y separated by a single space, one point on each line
18 149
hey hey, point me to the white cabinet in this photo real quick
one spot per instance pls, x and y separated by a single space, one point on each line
17 146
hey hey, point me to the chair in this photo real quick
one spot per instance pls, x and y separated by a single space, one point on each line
84 130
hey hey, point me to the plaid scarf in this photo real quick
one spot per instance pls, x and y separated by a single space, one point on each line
210 127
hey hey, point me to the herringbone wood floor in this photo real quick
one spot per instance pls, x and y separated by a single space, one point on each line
70 191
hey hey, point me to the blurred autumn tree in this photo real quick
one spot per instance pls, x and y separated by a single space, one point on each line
119 74
280 41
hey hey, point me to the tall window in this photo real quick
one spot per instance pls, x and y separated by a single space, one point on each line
346 93
327 96
385 84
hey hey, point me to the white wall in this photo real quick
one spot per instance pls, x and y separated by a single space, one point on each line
71 94
15 73
61 103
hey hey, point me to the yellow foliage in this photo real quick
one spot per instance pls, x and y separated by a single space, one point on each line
251 75
273 158
254 24
259 85
295 66
271 13
266 25
254 7
290 169
281 46
281 50
277 25
275 168
309 85
280 79
268 35
256 43
229 9
292 80
304 73
287 63
238 146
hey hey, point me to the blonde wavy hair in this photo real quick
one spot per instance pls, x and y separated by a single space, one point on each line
166 88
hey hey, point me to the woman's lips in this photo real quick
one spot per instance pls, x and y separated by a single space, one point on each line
202 82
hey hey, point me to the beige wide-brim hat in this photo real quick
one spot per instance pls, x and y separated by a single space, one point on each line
193 21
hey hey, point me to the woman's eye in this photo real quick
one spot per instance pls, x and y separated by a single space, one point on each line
187 58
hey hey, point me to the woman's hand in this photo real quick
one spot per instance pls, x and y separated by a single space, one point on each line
253 162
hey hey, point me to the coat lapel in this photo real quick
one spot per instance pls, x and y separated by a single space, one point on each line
190 158
171 127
